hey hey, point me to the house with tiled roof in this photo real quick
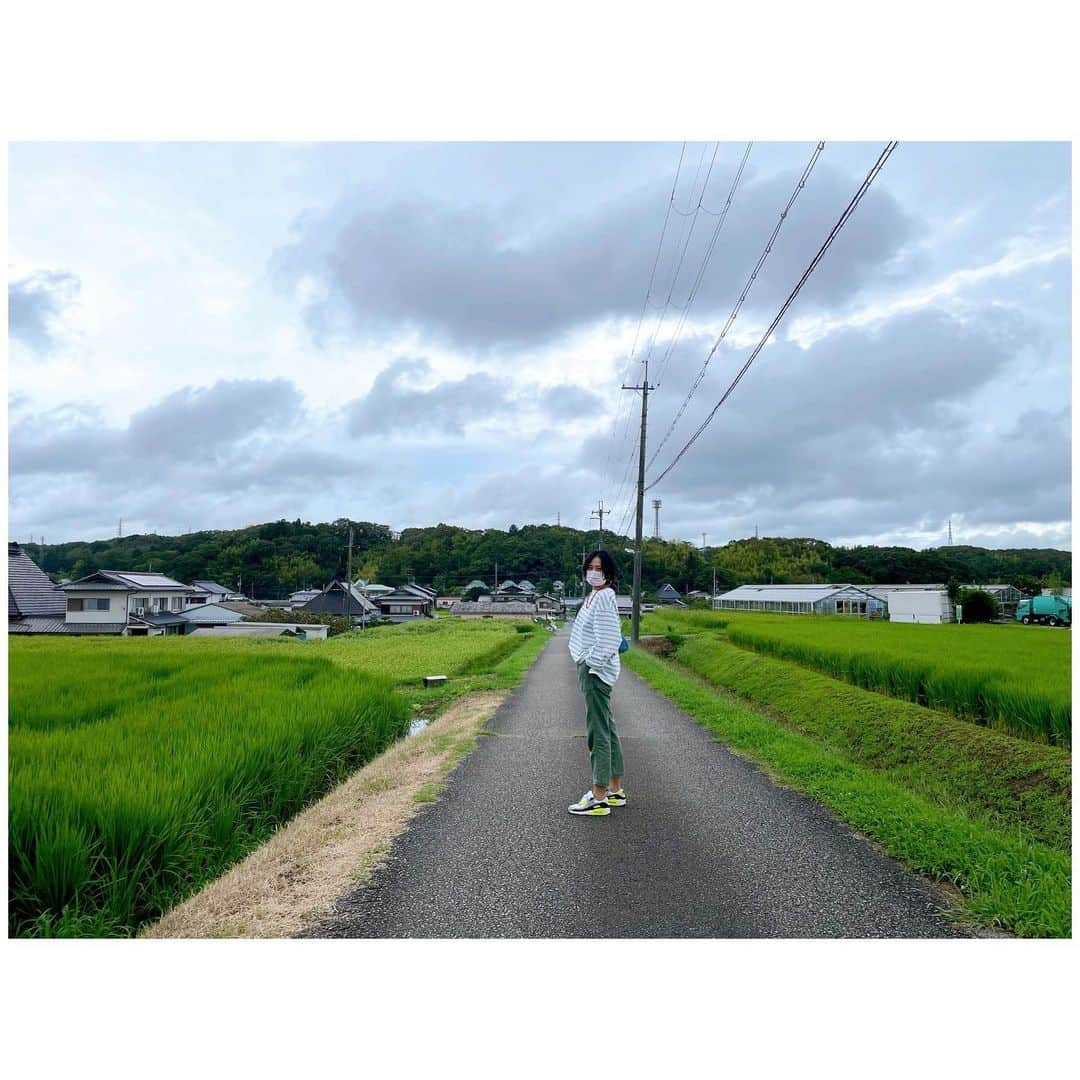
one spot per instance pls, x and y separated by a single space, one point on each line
105 602
345 599
35 604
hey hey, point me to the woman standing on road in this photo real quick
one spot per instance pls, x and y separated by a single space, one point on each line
594 647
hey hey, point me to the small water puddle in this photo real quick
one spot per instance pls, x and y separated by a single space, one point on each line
418 725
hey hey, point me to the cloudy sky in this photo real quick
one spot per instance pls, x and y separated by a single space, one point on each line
213 335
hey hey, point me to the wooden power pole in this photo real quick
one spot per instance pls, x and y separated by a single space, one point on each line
635 611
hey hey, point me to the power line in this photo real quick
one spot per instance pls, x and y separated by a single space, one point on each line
856 199
648 291
685 238
742 296
704 262
682 244
624 488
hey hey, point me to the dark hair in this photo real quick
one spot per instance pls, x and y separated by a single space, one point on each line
607 565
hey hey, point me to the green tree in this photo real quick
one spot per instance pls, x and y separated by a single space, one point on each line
978 606
1054 582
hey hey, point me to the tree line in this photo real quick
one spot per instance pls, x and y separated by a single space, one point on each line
271 560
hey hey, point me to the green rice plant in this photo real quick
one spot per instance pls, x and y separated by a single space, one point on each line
1011 783
409 651
120 813
1006 878
1006 677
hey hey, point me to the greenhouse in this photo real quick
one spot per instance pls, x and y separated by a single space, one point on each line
802 600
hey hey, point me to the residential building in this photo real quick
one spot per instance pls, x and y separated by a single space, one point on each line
115 601
342 598
511 609
35 604
405 603
667 594
215 593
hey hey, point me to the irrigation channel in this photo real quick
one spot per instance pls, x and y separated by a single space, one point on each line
707 845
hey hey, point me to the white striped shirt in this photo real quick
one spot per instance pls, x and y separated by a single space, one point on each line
597 634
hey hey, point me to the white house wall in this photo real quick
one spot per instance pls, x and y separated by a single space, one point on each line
117 612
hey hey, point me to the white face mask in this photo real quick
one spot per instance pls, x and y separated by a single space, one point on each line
595 578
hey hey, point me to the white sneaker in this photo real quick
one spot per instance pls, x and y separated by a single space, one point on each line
589 805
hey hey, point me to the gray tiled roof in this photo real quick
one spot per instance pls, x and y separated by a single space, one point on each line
30 591
162 618
209 614
97 586
210 587
40 625
474 607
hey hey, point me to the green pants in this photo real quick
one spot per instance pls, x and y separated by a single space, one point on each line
605 750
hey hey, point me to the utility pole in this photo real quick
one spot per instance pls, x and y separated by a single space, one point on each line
120 528
702 541
599 511
635 614
656 527
579 578
558 519
348 570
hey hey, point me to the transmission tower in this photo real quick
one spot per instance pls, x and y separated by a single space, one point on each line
656 510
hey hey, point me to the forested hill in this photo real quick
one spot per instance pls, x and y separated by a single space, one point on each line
273 559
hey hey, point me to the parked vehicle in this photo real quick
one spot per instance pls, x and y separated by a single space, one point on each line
1055 610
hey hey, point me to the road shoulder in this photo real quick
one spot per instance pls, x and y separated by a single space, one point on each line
291 882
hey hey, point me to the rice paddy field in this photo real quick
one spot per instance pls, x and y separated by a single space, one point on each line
409 651
974 792
140 769
1009 677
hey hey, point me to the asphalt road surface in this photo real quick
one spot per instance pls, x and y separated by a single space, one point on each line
707 845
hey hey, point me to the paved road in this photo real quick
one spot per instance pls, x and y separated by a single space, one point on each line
707 846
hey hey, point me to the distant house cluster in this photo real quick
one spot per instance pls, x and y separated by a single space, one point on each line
510 600
137 604
131 604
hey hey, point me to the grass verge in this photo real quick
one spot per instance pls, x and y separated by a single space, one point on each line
1006 880
292 881
1010 783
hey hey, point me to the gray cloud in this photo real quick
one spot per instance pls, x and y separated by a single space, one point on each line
199 421
866 431
488 276
393 405
569 401
190 425
35 302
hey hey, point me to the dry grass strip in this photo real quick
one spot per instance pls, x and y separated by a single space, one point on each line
293 879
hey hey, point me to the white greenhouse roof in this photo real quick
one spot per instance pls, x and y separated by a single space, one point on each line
805 594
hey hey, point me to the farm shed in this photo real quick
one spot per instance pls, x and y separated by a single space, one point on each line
802 600
915 605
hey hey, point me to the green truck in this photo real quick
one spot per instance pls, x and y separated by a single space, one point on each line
1055 610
